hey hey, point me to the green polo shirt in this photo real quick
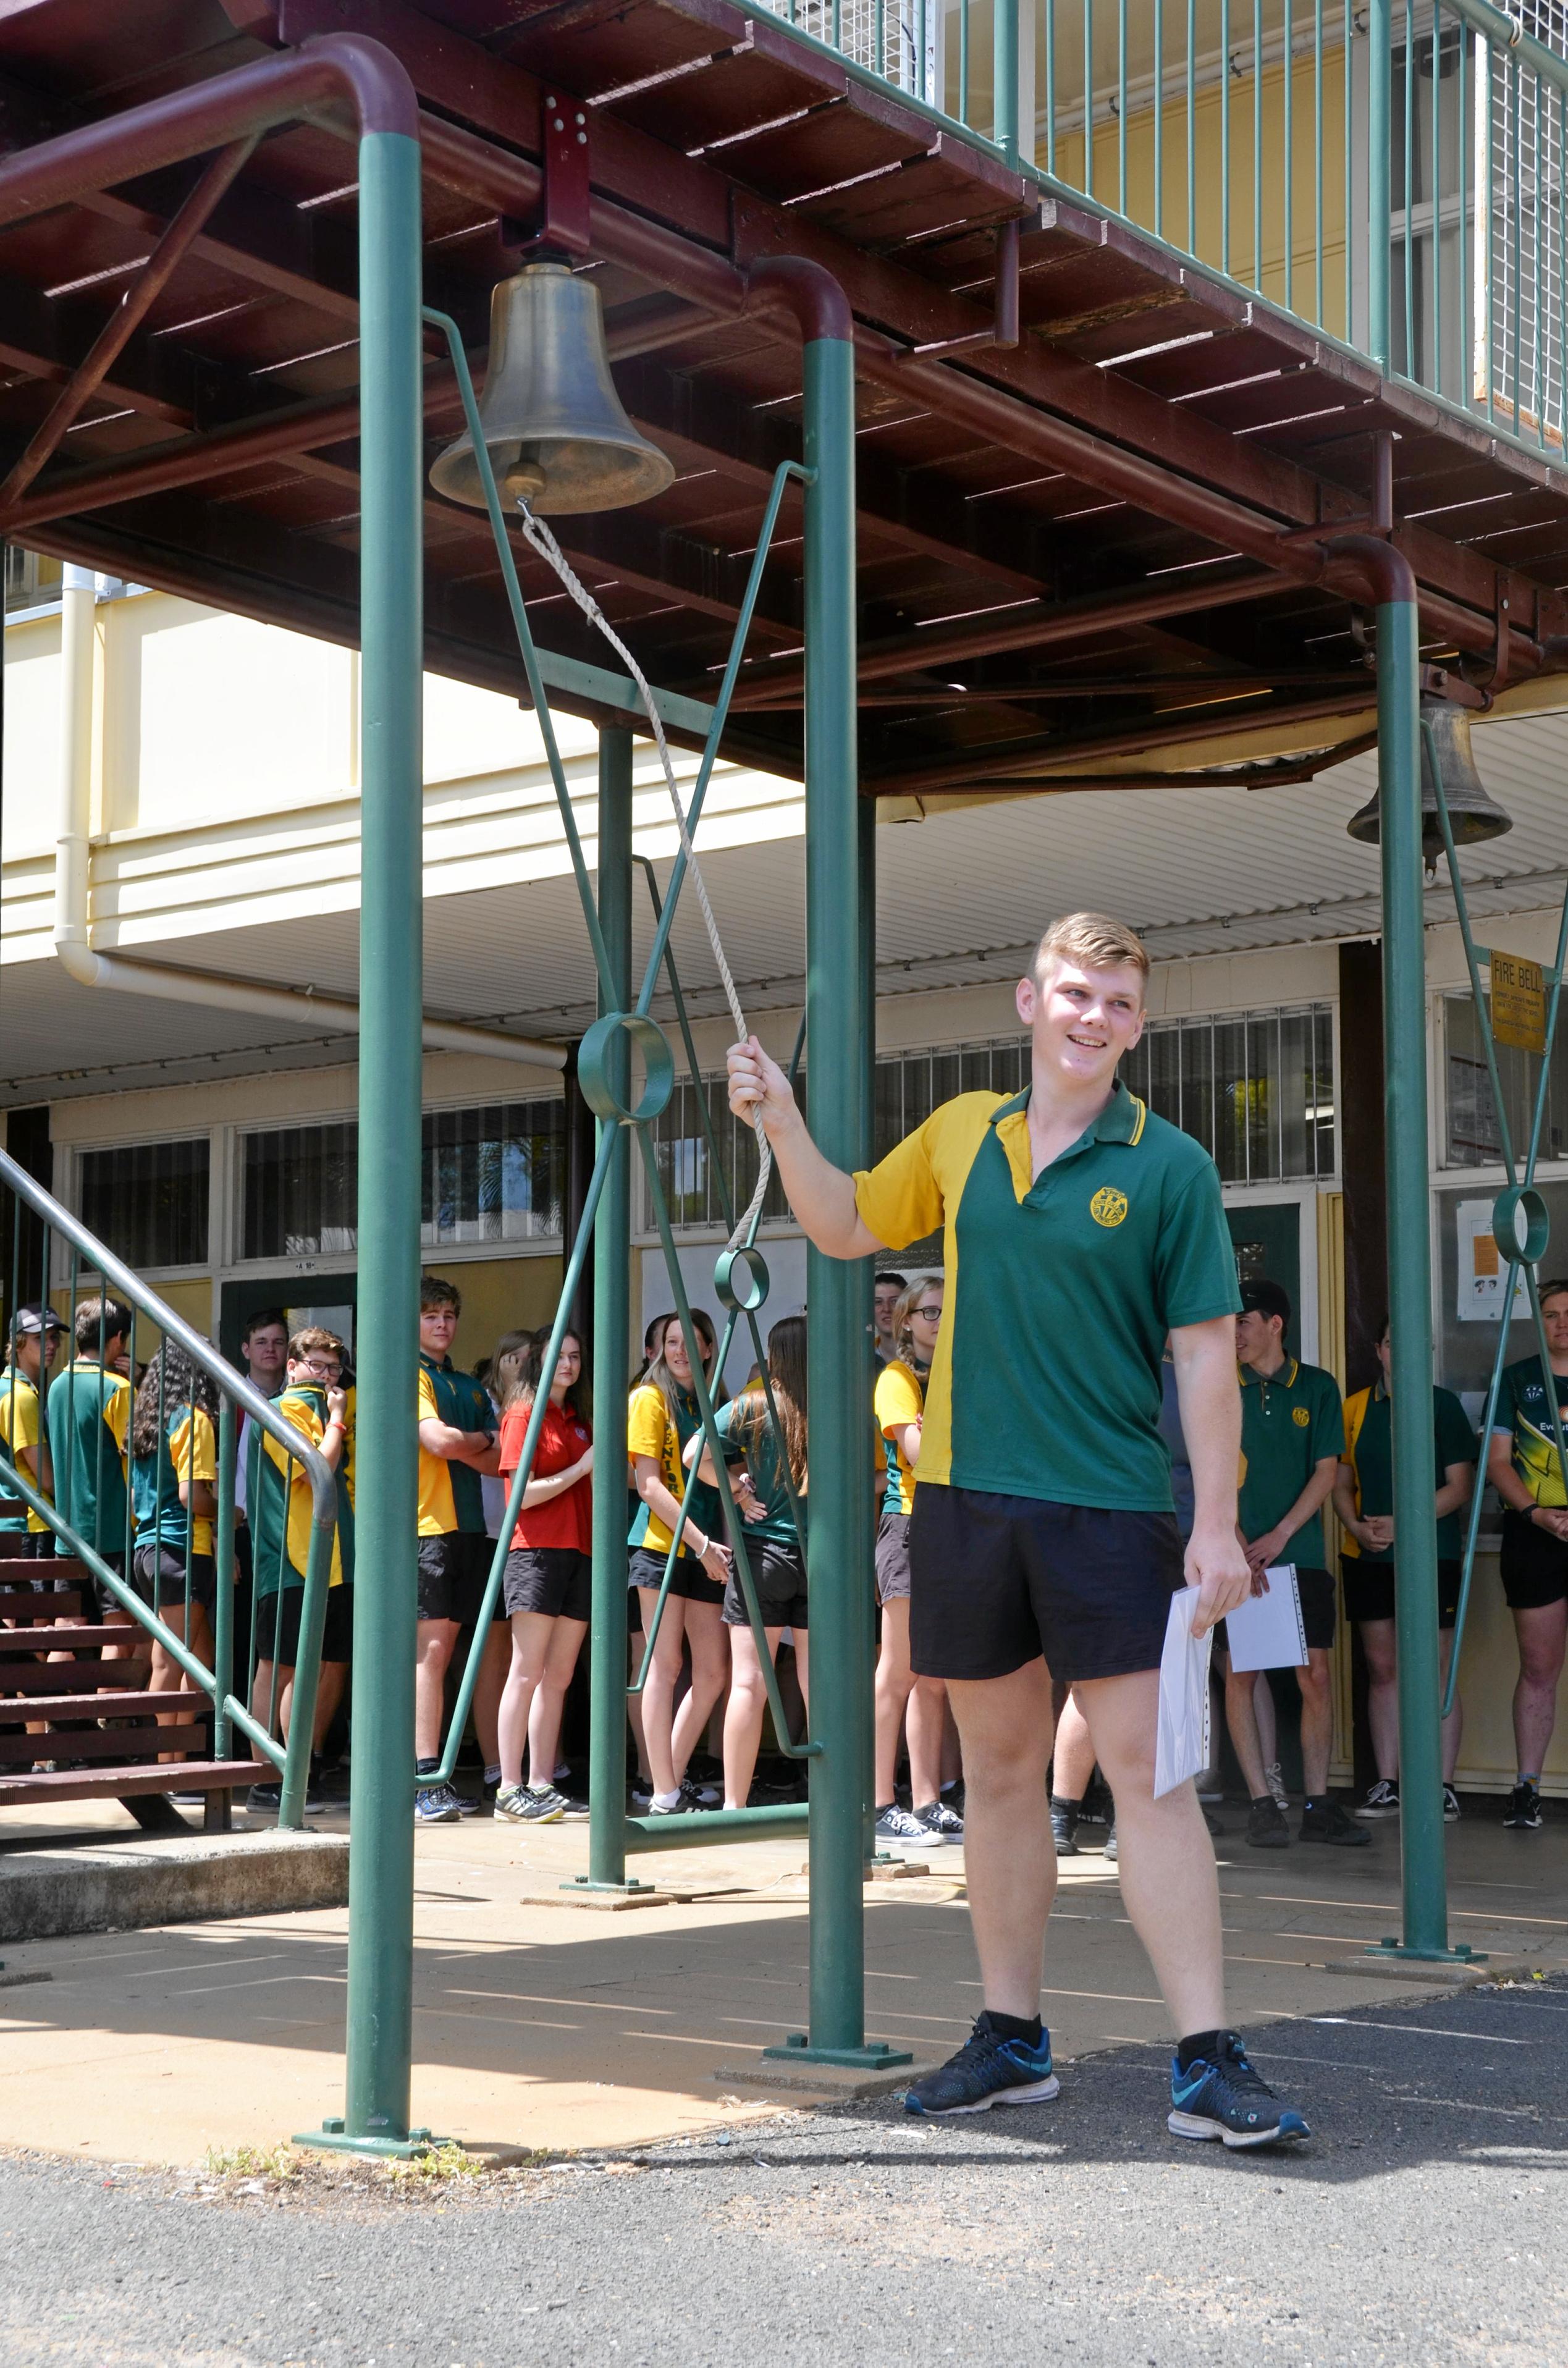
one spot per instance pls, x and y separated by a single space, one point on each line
1290 1421
1370 1458
89 1411
1060 1291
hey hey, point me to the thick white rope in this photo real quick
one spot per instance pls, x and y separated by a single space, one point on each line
543 542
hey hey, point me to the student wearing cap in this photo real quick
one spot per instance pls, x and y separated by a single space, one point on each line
34 1338
1078 1229
1363 1500
1293 1436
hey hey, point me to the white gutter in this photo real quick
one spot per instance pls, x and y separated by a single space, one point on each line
72 942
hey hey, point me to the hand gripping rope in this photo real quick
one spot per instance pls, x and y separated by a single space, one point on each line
543 542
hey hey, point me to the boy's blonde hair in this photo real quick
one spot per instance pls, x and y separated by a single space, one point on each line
1094 942
312 1340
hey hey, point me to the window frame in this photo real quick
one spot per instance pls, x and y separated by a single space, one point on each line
75 1184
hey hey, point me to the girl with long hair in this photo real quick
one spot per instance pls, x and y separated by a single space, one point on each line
776 1548
547 1594
174 1495
661 1419
902 1700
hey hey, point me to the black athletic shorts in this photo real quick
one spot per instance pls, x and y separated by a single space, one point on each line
893 1555
1315 1588
999 1581
556 1580
779 1577
692 1582
278 1625
452 1572
159 1574
1368 1588
1534 1565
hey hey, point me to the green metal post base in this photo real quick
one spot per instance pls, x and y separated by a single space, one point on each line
1461 1954
875 2057
333 2138
622 1890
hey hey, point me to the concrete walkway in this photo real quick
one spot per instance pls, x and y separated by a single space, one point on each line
539 2025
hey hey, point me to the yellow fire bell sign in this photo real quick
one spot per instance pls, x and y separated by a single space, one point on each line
1519 1002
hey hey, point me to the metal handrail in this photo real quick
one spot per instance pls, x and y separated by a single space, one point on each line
292 1761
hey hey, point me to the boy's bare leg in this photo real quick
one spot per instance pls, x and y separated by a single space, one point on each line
432 1653
1009 1859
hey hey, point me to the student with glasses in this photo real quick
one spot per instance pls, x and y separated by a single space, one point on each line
902 1700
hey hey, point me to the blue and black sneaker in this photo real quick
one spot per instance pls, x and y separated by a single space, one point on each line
987 2070
1227 2099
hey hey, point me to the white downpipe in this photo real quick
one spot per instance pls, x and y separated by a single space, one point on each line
168 981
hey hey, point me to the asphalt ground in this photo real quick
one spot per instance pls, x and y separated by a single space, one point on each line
1425 2222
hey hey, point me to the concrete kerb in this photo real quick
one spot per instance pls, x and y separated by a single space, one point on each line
50 1894
1417 1975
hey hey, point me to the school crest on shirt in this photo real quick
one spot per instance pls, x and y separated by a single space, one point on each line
1300 1416
1108 1207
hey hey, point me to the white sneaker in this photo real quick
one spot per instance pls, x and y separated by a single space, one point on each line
906 1832
1276 1784
526 1808
1382 1801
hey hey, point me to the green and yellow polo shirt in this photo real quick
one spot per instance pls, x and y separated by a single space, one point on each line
88 1413
1368 1427
1060 1291
21 1429
1290 1421
899 1400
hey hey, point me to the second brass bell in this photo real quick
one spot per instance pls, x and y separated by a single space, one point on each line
553 424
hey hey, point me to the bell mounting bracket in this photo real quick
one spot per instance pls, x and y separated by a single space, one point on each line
562 230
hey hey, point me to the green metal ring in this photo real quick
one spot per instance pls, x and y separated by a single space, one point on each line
741 1279
1520 1225
594 1068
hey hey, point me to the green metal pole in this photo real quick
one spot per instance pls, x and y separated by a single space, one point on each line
836 1289
1379 168
1424 1869
866 941
381 1878
612 1324
1005 80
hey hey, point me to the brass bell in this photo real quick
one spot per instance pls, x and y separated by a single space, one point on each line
554 425
1472 814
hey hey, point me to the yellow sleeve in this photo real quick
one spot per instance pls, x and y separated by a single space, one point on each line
303 1416
117 1414
18 1419
428 1410
897 1399
647 1421
193 1447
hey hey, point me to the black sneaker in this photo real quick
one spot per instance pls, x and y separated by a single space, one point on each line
1063 1827
693 1795
1325 1821
1382 1801
904 1830
1228 2100
952 1796
640 1792
987 2070
940 1820
1524 1807
1451 1811
266 1799
1267 1829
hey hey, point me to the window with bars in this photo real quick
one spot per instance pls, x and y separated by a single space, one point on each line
1257 1092
1520 325
148 1200
494 1173
1472 1135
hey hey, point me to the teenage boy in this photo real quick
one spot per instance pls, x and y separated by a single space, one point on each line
885 1293
282 1511
1523 1465
1293 1436
1042 1543
1363 1500
35 1337
457 1444
88 1413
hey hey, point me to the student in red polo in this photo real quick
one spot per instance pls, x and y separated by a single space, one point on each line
548 1582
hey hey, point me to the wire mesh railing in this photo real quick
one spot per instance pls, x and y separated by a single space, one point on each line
1390 172
133 1476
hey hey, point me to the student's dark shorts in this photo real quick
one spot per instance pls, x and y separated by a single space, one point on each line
452 1572
98 1603
692 1582
1368 1589
893 1556
997 1581
159 1577
556 1580
779 1577
1315 1588
1534 1565
278 1625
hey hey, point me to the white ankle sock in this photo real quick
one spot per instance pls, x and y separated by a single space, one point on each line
666 1800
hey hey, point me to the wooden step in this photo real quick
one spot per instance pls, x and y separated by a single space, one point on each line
17 1748
58 1604
16 1709
65 1640
111 1783
56 1677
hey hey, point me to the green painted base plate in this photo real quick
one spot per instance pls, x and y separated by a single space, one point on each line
877 2057
586 1883
1459 1955
333 2138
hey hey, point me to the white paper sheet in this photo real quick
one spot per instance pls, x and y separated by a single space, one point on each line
1267 1633
1181 1742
